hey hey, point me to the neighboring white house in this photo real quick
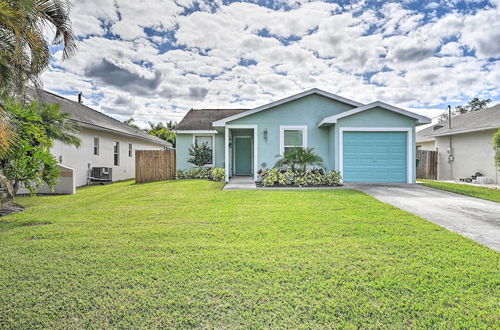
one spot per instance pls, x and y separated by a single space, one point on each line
466 147
105 142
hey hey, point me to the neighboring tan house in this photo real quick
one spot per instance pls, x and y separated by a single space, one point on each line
466 147
367 143
105 143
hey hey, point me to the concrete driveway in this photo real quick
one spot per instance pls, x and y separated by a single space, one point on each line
472 217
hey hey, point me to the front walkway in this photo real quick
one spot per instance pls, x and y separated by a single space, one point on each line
240 183
475 218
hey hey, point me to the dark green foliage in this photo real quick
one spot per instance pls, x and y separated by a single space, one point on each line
29 161
163 132
214 174
475 104
200 154
274 177
298 159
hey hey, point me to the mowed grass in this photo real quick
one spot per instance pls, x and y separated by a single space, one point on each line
186 254
465 189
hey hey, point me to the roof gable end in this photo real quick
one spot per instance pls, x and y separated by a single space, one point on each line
222 122
333 119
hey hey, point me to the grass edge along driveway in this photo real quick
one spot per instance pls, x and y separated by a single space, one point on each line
465 189
186 254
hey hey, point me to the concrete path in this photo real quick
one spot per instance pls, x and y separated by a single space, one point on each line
472 217
240 183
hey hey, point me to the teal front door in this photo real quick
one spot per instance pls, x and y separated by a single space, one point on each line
375 157
242 150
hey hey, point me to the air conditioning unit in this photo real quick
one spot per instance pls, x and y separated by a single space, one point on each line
101 174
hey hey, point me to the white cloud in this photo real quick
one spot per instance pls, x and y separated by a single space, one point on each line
166 61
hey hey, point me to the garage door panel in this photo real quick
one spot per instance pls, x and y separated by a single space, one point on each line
375 156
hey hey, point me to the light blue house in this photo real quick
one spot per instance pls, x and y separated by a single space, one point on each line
366 142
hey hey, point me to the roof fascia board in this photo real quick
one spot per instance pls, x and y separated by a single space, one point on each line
222 122
196 131
99 128
472 130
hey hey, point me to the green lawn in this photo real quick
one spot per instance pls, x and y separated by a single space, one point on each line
464 189
186 254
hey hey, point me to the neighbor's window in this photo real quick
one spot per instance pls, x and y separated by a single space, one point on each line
96 146
209 140
130 149
293 137
116 151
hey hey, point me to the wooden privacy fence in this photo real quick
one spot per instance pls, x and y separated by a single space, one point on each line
427 167
154 165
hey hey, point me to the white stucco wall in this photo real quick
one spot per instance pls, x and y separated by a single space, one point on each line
79 159
427 145
472 152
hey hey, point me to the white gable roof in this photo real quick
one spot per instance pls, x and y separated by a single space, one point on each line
333 119
223 122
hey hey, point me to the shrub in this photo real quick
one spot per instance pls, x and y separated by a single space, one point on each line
333 178
218 174
200 154
298 159
273 177
313 178
215 174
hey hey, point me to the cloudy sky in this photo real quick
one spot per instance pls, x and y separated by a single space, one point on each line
153 60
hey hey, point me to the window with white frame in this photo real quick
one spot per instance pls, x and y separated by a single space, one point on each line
292 137
116 152
96 146
130 149
209 140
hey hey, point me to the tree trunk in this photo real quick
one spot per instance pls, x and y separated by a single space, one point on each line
8 186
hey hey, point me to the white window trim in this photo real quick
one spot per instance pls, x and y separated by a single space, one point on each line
117 153
213 147
98 146
409 143
130 150
284 128
227 161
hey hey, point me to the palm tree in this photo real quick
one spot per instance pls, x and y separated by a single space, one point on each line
24 52
297 160
6 132
162 131
131 122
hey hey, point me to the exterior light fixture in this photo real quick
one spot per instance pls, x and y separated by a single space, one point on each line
265 134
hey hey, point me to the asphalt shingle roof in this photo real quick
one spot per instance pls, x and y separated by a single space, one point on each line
86 115
202 119
471 121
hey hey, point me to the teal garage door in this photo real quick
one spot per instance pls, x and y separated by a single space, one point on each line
375 157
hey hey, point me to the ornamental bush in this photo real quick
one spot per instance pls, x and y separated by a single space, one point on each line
313 178
214 174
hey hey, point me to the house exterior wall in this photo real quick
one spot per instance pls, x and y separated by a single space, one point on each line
379 118
80 158
427 145
472 152
307 111
184 141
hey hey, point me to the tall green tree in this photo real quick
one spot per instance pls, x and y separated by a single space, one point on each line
24 52
131 122
475 104
163 132
29 162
